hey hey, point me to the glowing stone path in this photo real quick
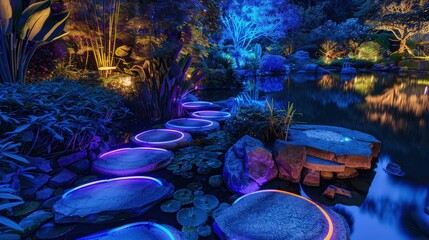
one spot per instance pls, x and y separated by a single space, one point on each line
211 115
274 214
111 199
137 231
200 105
193 125
131 161
163 138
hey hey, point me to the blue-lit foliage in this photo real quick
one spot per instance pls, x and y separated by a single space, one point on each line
247 21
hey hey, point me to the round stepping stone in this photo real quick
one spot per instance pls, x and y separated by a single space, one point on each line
131 161
275 214
137 231
163 138
199 106
193 125
211 115
111 199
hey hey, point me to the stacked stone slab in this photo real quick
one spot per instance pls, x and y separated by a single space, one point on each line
312 152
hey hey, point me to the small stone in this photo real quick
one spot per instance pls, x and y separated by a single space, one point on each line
35 220
52 230
348 173
29 186
26 208
332 190
41 164
80 166
63 179
44 193
311 178
65 161
326 175
51 201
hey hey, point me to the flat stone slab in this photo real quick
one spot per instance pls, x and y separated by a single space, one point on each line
131 161
137 231
211 115
318 164
352 148
193 125
163 138
274 214
111 199
199 106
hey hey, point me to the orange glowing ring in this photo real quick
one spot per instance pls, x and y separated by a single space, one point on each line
325 214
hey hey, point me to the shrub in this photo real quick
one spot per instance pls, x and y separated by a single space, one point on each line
162 86
51 117
410 64
264 123
396 57
370 50
359 63
272 63
221 78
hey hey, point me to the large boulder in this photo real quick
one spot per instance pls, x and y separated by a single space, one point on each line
248 165
290 159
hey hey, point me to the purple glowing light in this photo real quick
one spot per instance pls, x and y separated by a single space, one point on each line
111 231
211 114
130 149
171 122
182 135
111 180
196 104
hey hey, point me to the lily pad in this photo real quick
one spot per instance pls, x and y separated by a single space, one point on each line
198 193
204 170
206 202
170 206
204 231
215 181
194 186
189 235
187 174
191 217
214 163
184 196
220 208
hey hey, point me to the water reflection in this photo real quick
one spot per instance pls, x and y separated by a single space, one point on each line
393 108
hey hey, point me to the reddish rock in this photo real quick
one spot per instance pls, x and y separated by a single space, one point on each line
327 175
290 159
311 178
318 164
332 190
348 173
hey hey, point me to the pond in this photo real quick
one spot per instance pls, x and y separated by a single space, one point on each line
393 108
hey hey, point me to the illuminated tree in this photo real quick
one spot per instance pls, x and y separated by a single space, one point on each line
403 19
246 21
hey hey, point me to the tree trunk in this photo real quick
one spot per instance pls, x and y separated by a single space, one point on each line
402 45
